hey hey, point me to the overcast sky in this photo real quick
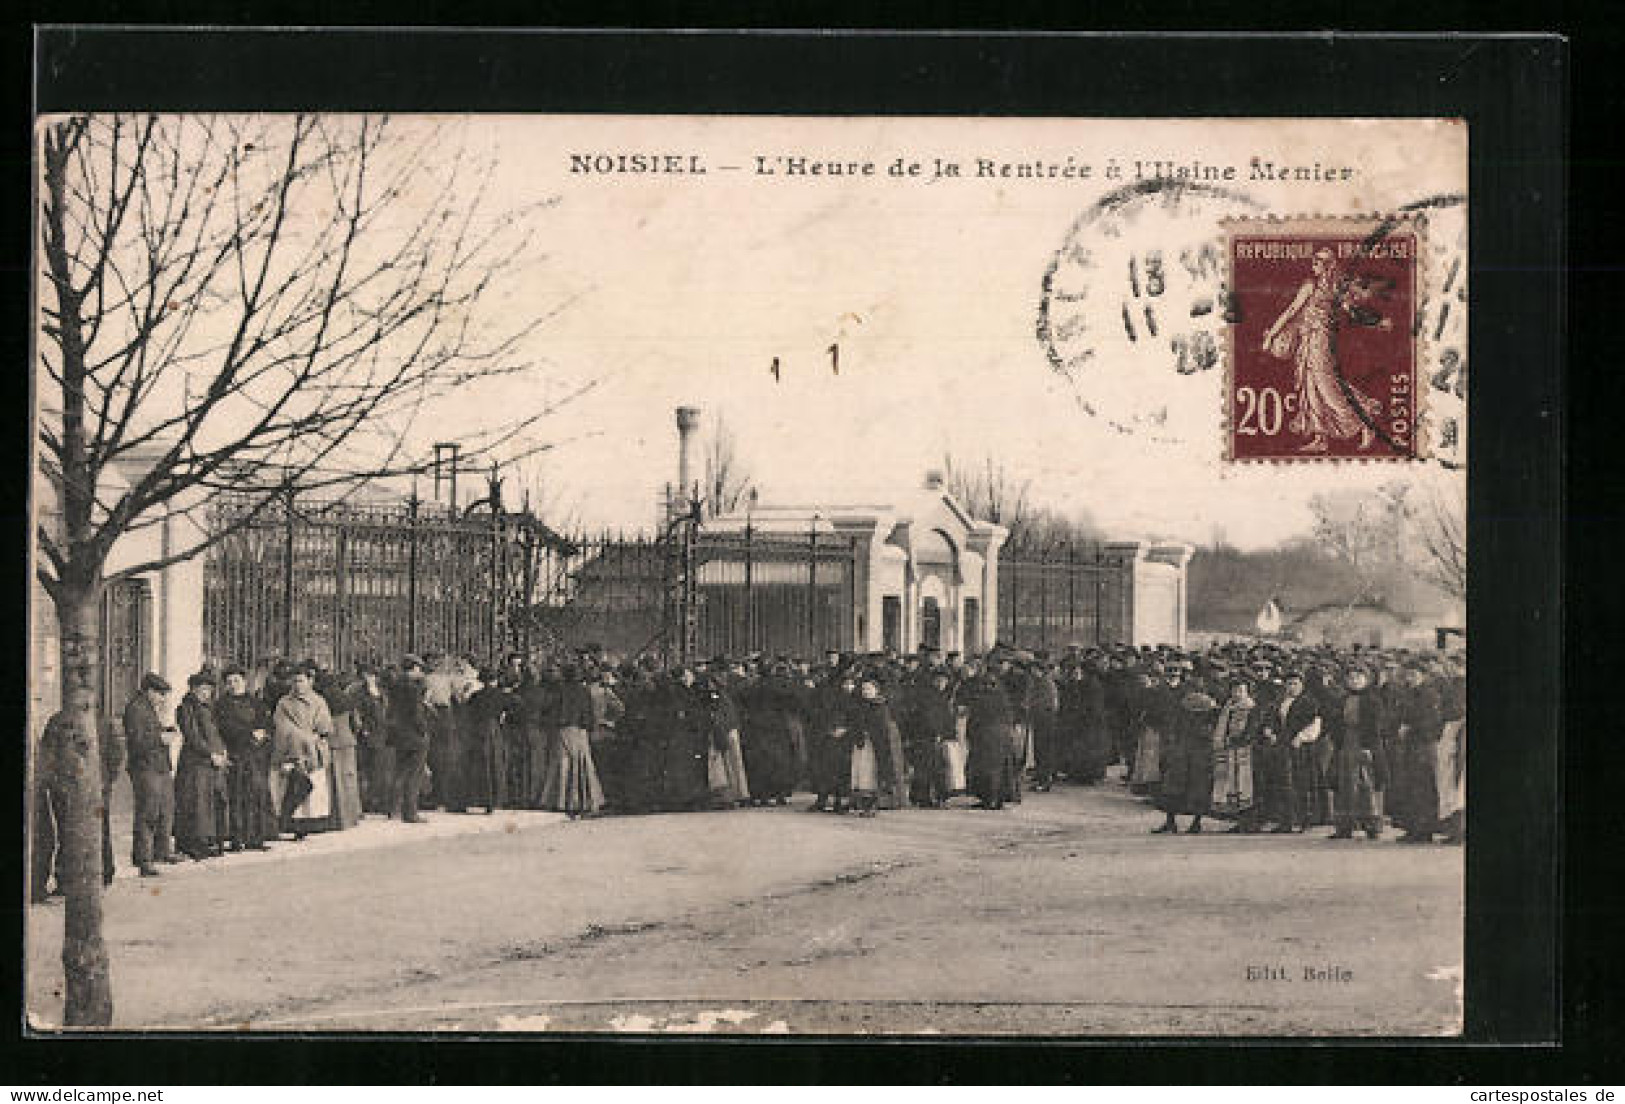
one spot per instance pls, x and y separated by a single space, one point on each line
682 289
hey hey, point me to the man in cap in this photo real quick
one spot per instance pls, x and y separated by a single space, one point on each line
151 781
408 722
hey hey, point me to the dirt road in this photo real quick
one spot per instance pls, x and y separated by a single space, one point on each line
1059 915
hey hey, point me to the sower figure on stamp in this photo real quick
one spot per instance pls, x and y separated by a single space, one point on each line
1306 334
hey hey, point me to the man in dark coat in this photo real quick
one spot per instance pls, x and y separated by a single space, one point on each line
928 723
768 705
991 764
1043 714
408 717
1413 797
242 727
1359 763
151 782
487 768
828 752
201 821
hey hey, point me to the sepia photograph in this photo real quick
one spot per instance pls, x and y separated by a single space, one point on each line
748 575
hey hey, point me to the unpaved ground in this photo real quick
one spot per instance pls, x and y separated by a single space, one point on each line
1060 915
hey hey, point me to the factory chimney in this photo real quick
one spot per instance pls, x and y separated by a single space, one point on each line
688 420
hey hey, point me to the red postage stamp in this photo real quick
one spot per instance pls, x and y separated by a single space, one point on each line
1323 340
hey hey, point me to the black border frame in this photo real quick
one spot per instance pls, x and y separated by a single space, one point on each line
1513 92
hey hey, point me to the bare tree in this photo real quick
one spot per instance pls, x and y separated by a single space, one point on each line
1440 523
249 305
727 479
990 492
1369 533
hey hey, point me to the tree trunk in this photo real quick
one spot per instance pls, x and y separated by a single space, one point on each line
77 778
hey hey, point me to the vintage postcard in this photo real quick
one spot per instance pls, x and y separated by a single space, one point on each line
749 575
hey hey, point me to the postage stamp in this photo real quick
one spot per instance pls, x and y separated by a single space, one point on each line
1323 340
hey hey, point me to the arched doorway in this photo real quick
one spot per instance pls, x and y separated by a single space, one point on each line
930 623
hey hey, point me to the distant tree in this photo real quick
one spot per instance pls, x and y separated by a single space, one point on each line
727 479
1368 532
988 491
253 305
1440 521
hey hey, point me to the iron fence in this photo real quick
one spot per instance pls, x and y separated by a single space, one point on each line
1062 595
347 584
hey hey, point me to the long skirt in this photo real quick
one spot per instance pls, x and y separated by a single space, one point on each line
1359 789
1272 784
1232 792
828 765
953 767
991 764
1187 775
729 783
865 771
770 760
1146 772
894 780
375 764
538 758
315 813
1451 770
346 789
572 784
200 806
253 814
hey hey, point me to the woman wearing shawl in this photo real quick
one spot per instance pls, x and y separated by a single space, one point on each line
1187 762
1232 794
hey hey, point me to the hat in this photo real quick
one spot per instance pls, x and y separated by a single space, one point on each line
234 669
409 661
204 677
152 680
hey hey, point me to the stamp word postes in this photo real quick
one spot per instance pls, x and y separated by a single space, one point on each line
1322 344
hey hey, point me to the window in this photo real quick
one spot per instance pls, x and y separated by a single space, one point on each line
891 622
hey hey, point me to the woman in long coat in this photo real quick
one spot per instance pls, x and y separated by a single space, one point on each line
1234 730
1187 762
302 725
1359 762
341 745
990 766
572 784
768 740
200 778
248 764
725 763
539 700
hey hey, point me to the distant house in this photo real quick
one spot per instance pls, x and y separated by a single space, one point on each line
1370 624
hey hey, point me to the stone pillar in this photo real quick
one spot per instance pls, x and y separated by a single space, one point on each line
985 540
1177 556
1124 557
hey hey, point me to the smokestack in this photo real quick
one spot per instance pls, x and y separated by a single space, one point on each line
688 420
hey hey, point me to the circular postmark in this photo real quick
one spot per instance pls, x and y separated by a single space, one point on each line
1134 307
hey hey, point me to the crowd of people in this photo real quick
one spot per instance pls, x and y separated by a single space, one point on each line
1262 736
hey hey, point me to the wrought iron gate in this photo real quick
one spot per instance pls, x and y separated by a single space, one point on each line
347 584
